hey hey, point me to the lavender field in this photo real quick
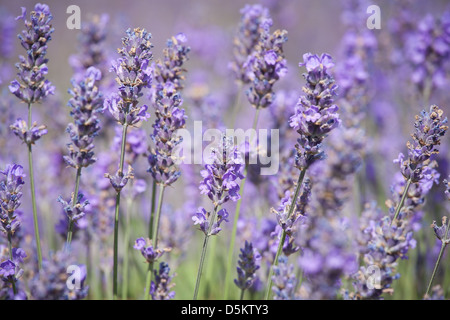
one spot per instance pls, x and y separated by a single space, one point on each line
224 150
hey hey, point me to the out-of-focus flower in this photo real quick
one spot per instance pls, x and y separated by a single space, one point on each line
52 284
253 18
284 280
248 264
266 65
162 285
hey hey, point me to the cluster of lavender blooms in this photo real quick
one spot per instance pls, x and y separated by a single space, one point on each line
249 34
428 50
10 273
32 86
52 284
170 116
220 184
10 195
170 69
430 127
86 102
290 224
11 184
315 114
383 240
134 73
284 280
265 65
248 264
161 287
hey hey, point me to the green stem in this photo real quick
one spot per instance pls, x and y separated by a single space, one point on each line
158 217
33 196
148 281
116 214
400 205
283 234
204 249
74 203
152 213
125 249
242 295
236 218
441 252
154 242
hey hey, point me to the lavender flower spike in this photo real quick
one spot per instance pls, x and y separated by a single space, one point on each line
220 178
32 86
160 288
250 28
86 102
170 117
248 264
265 66
10 195
315 115
133 75
430 127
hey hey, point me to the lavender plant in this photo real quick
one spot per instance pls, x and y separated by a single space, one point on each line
247 267
314 118
86 102
32 87
430 127
134 74
220 184
264 66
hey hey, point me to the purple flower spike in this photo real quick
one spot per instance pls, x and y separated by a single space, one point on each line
430 127
161 287
11 182
134 73
315 115
31 86
86 102
170 117
248 264
265 66
254 19
221 177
